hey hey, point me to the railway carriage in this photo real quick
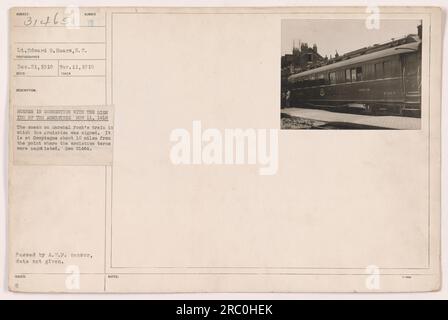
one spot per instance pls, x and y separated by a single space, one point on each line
386 80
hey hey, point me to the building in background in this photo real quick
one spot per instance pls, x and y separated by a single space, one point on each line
301 58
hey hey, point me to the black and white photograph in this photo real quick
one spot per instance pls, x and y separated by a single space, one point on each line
351 74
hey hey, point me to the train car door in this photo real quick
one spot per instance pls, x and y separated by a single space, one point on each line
411 77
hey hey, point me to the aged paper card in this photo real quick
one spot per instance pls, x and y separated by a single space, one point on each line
225 149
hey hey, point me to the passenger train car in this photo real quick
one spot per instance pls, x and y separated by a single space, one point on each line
386 80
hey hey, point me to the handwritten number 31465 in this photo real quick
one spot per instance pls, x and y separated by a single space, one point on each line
54 20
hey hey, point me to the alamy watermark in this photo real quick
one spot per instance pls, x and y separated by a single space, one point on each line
73 279
225 147
373 278
373 21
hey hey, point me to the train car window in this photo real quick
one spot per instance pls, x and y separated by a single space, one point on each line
332 77
348 75
340 76
353 74
326 79
387 69
308 82
321 80
359 74
390 68
369 72
379 71
303 82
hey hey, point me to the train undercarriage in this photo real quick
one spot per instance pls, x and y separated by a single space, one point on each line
377 108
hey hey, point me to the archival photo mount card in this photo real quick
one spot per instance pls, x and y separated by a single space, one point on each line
225 149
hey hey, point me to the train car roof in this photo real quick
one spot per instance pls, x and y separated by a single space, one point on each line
370 56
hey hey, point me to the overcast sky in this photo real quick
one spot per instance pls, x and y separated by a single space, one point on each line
341 35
